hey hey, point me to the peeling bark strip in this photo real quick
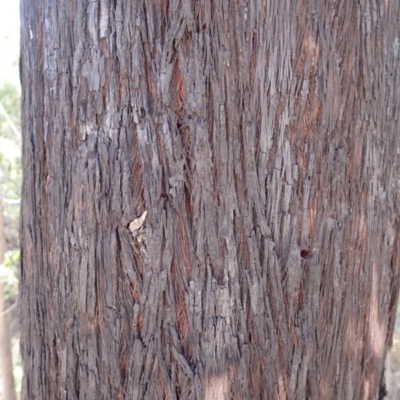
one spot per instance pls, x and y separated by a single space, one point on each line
258 140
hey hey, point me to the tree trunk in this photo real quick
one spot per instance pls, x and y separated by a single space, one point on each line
6 364
210 205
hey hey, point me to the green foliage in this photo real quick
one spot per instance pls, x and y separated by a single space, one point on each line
10 183
10 166
8 274
10 98
10 154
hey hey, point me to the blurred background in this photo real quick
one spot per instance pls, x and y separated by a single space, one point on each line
10 192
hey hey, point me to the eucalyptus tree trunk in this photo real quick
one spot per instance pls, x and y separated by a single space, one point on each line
210 199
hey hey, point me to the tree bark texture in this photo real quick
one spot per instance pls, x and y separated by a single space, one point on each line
261 138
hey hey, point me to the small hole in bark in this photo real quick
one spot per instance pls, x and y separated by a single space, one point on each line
305 254
164 196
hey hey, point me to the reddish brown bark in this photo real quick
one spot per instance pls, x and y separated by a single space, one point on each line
261 138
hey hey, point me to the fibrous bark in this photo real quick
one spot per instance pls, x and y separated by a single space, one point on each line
261 139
